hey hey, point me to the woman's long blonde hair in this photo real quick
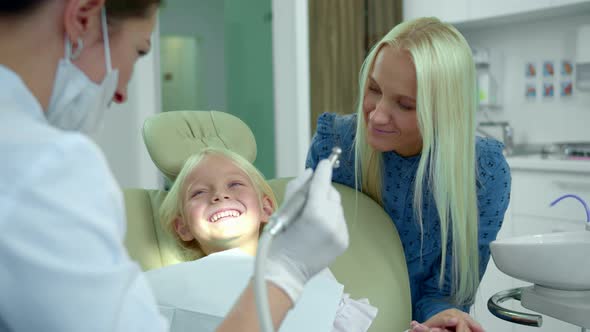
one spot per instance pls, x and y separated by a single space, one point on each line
173 205
445 105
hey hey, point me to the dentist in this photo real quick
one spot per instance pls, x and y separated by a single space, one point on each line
62 220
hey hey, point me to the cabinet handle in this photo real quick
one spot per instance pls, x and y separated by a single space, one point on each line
511 315
575 186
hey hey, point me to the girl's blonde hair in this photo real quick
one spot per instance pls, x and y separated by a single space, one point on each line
173 205
445 106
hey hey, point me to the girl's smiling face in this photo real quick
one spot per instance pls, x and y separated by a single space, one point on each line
222 208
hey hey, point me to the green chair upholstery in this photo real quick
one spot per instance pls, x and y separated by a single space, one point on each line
373 267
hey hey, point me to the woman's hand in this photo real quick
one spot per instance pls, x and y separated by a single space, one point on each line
450 320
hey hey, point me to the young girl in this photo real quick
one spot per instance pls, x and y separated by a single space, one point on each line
411 146
220 201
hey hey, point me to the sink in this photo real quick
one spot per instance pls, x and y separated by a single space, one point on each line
556 260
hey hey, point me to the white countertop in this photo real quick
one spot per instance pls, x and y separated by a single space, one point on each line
538 163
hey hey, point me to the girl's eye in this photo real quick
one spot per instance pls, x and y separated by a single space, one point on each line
235 184
197 193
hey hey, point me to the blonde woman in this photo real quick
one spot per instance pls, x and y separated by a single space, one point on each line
412 147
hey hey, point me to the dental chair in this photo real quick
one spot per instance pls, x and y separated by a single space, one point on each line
373 267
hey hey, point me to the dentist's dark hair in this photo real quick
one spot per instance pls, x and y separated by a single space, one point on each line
16 7
116 9
123 9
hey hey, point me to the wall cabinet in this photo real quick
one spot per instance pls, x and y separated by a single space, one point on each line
479 9
529 213
449 10
460 11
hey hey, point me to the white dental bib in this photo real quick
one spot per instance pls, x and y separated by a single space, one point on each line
197 295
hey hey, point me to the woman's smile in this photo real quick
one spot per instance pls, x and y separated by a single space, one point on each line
377 131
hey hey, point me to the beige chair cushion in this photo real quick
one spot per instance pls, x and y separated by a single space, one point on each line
373 266
172 137
147 242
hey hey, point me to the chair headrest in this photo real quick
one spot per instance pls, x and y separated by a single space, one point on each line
172 137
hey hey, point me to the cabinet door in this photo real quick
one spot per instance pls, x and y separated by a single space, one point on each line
480 9
533 191
451 11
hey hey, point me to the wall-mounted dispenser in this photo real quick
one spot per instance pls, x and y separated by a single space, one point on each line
583 58
489 67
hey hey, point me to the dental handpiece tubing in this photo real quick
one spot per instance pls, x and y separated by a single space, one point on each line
289 211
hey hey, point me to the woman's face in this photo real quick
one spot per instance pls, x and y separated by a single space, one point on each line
129 39
130 42
389 104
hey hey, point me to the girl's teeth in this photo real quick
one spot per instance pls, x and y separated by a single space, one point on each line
224 214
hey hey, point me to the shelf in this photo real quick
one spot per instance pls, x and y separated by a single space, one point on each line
576 9
488 107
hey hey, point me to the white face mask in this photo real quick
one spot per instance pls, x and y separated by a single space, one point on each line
77 103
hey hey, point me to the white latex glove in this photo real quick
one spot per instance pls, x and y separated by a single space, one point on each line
313 242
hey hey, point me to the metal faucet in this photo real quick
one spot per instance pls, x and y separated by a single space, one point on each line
507 133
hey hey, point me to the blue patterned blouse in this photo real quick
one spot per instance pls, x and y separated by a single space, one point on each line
493 194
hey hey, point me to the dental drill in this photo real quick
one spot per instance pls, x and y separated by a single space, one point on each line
289 211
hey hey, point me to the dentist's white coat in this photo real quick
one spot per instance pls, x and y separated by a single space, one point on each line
62 224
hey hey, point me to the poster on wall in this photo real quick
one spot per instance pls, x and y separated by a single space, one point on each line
551 79
548 90
566 86
548 76
531 91
530 74
548 69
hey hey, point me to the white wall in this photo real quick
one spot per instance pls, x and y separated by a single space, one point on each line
203 19
539 120
120 136
291 80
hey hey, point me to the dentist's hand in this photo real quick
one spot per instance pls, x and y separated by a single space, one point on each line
313 242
